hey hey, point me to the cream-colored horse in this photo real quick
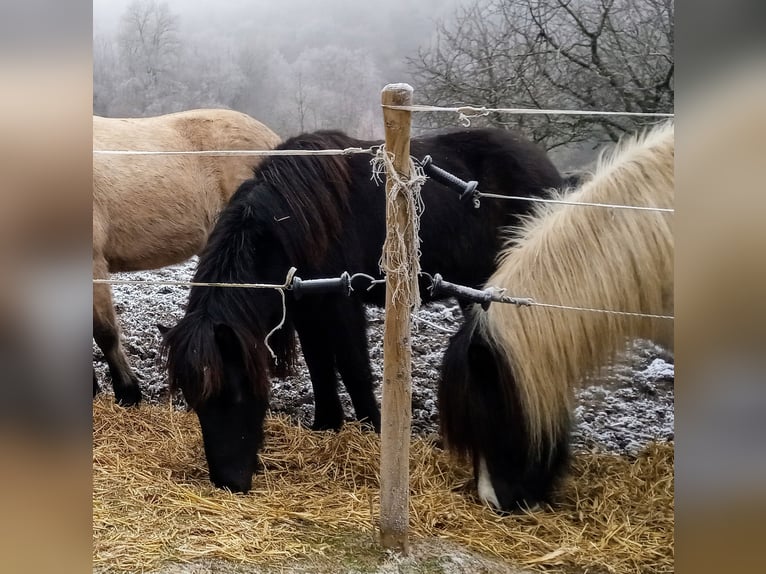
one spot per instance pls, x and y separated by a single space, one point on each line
152 211
506 394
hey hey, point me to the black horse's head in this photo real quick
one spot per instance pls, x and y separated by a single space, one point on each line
231 417
482 419
224 378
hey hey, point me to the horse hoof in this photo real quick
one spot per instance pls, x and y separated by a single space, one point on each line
130 397
323 426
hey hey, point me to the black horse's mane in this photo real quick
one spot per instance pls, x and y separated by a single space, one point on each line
312 191
287 214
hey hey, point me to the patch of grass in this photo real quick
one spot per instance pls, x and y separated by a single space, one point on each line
348 551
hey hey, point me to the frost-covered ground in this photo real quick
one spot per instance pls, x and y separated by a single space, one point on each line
630 406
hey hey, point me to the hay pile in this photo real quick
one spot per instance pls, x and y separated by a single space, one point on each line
152 501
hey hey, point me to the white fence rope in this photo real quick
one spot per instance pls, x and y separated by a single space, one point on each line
519 301
370 151
237 152
170 282
582 203
467 112
281 288
522 302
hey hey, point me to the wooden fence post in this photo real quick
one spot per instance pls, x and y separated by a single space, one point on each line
397 353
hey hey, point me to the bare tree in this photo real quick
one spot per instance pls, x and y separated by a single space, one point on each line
150 52
337 88
595 55
267 86
300 100
105 74
211 76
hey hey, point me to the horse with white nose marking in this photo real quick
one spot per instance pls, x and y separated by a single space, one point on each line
506 387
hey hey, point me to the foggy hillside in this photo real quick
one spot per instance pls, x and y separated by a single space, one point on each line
303 65
336 49
388 31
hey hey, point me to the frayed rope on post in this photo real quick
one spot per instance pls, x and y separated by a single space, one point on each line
395 260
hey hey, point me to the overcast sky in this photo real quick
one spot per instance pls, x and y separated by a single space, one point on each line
388 33
267 16
276 38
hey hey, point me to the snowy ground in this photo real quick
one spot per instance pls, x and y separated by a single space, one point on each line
631 406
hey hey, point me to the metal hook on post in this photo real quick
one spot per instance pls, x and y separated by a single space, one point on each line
466 189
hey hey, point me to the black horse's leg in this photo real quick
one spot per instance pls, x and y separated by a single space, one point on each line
353 360
96 388
312 321
106 332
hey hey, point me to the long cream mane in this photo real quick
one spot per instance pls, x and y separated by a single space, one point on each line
587 257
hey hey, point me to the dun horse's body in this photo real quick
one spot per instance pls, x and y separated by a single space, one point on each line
325 216
152 211
507 378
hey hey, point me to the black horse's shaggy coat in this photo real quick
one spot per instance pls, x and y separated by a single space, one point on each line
481 416
324 215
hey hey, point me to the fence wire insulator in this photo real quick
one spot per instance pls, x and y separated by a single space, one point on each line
341 285
466 189
441 287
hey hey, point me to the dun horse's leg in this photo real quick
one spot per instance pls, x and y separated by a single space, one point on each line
106 332
315 333
353 360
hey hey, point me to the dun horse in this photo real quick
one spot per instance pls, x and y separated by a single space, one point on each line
149 212
325 216
506 386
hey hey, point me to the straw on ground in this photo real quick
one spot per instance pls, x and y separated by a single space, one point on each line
153 503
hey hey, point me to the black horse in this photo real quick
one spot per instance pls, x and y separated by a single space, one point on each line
324 215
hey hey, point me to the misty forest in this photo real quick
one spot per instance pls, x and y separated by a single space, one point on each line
304 65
